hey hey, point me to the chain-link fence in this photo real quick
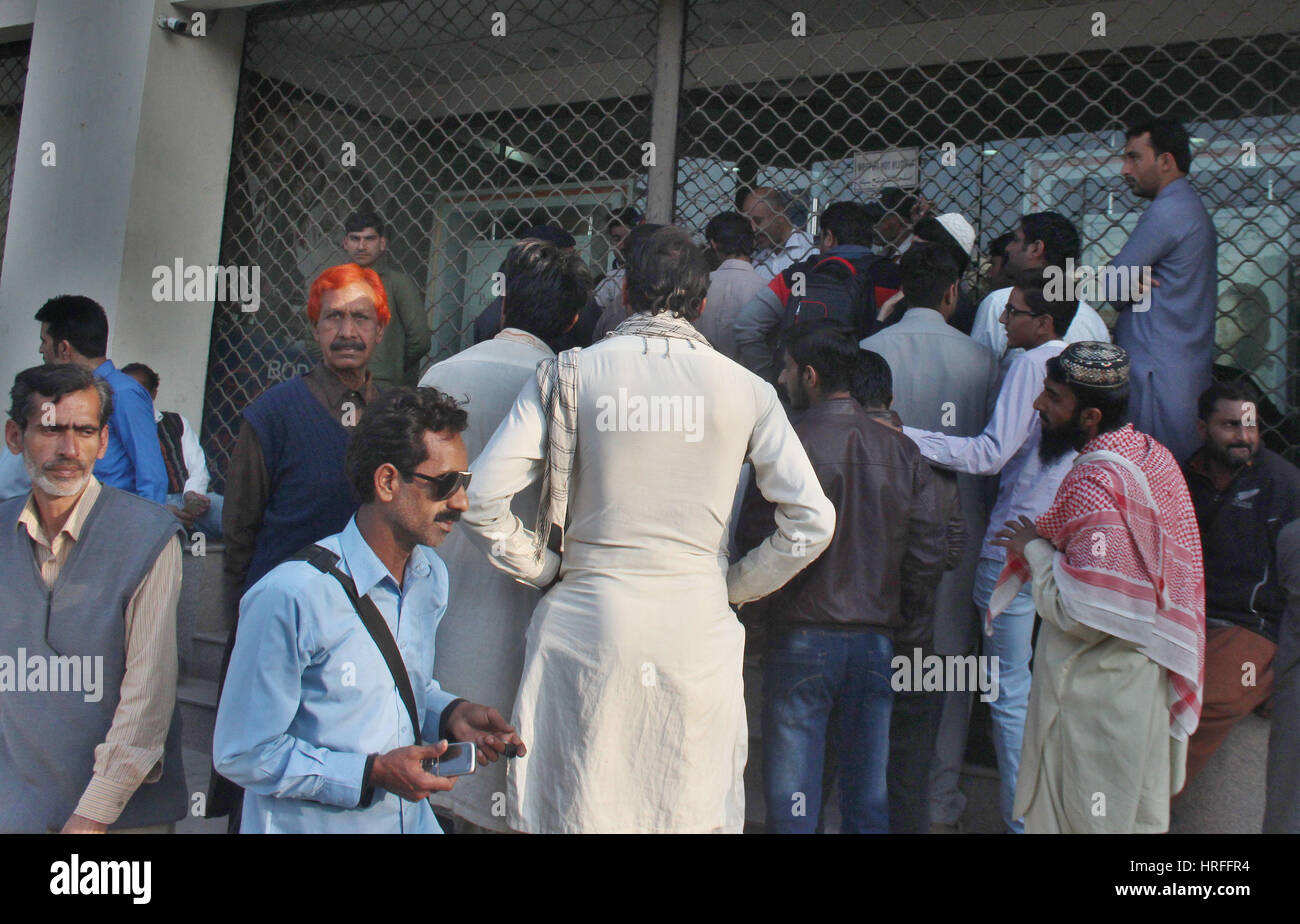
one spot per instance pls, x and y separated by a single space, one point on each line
13 80
472 122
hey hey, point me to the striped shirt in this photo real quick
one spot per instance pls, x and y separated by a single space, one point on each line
132 751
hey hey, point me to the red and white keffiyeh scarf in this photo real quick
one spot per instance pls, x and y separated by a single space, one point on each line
1128 559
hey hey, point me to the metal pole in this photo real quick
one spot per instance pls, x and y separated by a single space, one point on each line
663 114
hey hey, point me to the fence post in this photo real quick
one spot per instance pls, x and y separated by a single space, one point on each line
662 190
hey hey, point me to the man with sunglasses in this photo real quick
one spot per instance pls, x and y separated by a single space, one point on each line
315 721
1031 468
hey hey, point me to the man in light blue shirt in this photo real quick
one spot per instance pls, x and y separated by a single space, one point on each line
1030 474
1169 331
311 722
74 329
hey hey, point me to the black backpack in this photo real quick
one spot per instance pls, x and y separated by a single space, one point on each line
834 288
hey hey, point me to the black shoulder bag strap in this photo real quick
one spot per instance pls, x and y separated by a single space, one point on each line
326 562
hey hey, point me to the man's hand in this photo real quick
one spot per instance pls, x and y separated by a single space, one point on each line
486 728
399 772
79 824
183 515
1017 534
198 503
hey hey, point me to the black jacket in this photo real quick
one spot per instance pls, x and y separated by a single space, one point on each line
890 543
1239 529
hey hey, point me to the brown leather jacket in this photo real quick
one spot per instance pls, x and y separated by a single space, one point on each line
891 541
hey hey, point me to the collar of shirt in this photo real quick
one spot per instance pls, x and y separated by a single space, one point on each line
104 368
1175 188
367 571
732 263
921 318
30 518
516 335
328 385
848 251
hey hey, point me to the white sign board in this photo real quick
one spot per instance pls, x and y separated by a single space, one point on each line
874 170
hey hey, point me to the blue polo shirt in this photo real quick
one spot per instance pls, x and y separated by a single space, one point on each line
133 461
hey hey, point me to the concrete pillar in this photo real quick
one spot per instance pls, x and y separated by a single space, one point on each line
141 123
662 181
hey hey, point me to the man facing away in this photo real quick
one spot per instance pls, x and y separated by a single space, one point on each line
314 721
481 637
1244 493
1282 791
631 692
396 359
187 467
91 578
732 284
943 382
1030 474
829 656
74 329
1115 565
1040 240
286 485
1169 332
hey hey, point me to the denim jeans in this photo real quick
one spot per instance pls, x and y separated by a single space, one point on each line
821 687
1011 643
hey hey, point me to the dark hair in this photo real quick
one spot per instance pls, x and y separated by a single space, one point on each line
545 288
557 236
366 218
826 346
1112 402
151 380
732 232
392 431
1032 283
627 217
926 272
897 201
873 381
932 231
849 222
1167 137
998 246
53 382
79 320
666 272
1235 390
1059 236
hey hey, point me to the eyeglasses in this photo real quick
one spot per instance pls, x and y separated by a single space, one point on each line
1014 311
447 484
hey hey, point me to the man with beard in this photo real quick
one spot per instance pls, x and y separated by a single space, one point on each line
1169 330
1244 494
1115 564
1031 471
321 721
285 485
91 576
830 631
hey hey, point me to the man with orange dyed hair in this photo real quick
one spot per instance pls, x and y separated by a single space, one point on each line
286 486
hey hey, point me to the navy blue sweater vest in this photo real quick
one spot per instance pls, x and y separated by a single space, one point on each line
303 447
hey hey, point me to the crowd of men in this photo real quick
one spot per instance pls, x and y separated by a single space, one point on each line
546 556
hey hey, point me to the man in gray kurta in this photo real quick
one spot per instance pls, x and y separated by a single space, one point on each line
1168 331
480 650
1282 799
946 382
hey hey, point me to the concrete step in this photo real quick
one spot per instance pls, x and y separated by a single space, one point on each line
206 651
197 701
